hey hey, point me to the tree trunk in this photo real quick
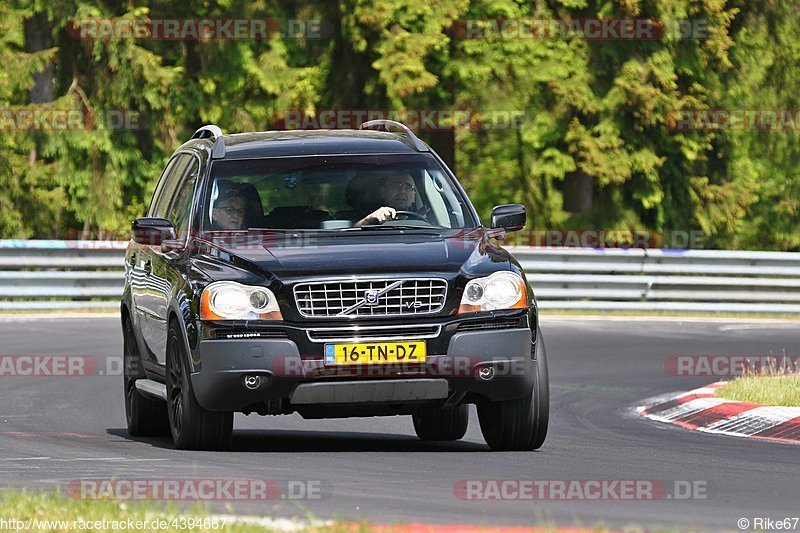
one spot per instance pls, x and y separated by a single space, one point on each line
444 143
578 193
38 38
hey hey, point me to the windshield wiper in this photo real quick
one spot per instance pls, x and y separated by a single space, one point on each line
399 226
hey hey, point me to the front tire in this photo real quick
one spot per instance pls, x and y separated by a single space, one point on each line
145 417
521 424
432 423
192 426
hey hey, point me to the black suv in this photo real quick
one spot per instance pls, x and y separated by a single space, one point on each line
330 273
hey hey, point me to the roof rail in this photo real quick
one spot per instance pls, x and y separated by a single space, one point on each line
210 131
385 124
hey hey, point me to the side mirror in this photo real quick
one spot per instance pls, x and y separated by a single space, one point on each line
152 231
511 217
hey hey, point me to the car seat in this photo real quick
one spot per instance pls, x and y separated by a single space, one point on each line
361 196
295 217
254 209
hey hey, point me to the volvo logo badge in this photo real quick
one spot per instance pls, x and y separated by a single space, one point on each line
371 297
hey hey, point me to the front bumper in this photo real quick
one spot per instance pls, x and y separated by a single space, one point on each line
495 364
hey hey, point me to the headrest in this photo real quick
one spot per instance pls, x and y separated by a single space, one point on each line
359 190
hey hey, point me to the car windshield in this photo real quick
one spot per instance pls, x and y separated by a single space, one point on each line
336 193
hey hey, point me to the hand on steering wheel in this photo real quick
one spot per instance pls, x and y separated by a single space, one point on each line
381 215
385 214
411 214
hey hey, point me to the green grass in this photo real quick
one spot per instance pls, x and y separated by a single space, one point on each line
776 389
54 507
102 516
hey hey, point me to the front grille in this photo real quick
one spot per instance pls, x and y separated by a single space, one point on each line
387 297
369 333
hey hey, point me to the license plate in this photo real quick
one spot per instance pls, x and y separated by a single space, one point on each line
375 353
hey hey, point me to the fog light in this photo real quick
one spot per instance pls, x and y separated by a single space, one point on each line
252 382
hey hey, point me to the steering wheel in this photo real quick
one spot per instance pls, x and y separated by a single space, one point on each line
412 214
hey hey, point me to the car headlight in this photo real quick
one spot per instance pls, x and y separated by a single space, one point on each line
501 290
228 300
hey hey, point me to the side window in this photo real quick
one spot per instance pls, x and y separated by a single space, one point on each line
433 191
181 207
166 191
160 186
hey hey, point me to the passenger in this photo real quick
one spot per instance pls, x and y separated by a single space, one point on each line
398 193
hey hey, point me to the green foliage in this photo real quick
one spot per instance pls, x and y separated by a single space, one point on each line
29 195
597 113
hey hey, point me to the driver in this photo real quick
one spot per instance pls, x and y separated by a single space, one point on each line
397 194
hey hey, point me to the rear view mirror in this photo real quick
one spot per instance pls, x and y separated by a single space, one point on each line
152 231
511 217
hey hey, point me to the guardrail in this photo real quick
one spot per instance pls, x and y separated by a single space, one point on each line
89 274
673 280
42 274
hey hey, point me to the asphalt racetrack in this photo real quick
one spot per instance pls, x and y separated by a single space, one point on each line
55 430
